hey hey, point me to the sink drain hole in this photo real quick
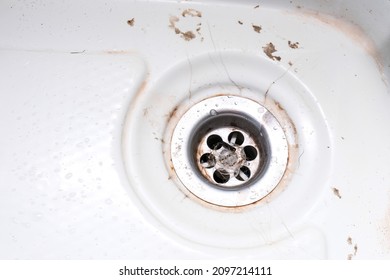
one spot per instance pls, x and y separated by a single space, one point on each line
214 142
229 149
221 176
233 150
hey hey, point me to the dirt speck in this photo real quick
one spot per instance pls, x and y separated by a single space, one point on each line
192 13
355 248
293 45
173 20
131 22
336 192
269 50
290 63
256 7
240 22
256 28
189 35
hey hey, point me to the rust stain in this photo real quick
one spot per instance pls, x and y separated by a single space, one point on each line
256 28
269 50
138 94
352 31
293 45
172 21
131 22
172 114
277 104
187 35
192 13
336 192
355 248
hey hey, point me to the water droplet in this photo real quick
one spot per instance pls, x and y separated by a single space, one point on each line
108 201
68 176
213 112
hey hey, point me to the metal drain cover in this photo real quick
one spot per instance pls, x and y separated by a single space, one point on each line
229 151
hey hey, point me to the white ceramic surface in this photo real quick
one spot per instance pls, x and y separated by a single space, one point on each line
76 81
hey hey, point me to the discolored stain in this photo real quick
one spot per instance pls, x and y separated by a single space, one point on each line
191 12
172 113
269 49
172 21
336 192
293 45
186 35
131 22
189 35
256 28
355 248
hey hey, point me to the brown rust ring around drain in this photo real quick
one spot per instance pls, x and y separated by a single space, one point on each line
192 182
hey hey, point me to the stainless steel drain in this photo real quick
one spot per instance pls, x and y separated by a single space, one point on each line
229 151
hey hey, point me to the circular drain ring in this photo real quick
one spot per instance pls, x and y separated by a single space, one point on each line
153 184
202 116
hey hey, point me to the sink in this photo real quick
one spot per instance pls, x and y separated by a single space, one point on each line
108 110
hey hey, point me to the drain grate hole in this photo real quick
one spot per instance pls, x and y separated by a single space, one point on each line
214 142
236 138
207 160
221 176
250 152
244 174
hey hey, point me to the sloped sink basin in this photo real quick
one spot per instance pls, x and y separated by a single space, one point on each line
213 129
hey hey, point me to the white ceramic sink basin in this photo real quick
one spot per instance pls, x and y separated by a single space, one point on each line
91 94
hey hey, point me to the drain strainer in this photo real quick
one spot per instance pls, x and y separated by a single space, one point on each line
229 151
